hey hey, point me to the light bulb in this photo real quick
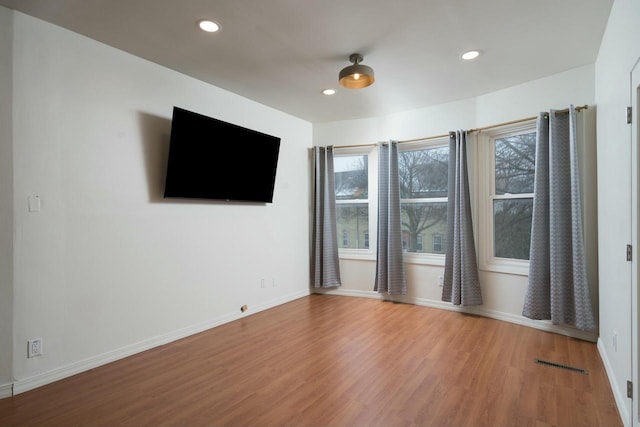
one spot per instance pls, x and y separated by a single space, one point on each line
209 26
472 54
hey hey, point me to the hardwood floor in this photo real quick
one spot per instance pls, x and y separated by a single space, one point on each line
337 361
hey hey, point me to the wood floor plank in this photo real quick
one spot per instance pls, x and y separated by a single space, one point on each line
337 361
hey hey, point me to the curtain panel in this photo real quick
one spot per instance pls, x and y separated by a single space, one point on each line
325 266
390 275
461 285
558 288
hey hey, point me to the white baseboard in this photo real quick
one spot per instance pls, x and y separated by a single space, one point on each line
6 390
493 314
617 395
26 384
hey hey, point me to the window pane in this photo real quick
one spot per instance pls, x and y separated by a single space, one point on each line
351 177
515 162
353 225
512 227
424 227
437 243
424 173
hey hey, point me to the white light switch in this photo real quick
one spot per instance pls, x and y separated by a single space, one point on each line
34 203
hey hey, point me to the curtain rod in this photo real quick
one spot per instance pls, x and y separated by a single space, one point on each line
335 147
565 111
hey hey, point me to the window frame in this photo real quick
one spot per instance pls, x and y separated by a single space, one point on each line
486 192
421 257
372 155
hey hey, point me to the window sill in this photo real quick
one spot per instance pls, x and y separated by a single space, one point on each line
366 255
515 267
507 266
408 257
423 259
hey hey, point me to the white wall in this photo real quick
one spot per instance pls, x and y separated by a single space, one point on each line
503 293
107 267
618 53
6 210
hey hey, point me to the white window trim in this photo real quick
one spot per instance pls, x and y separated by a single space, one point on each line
372 153
419 257
486 193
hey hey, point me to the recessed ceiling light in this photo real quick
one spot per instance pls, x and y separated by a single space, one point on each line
329 91
472 54
209 26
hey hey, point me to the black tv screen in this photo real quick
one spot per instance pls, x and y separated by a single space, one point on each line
213 159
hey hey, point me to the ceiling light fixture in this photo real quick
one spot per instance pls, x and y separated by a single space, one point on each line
356 76
472 54
209 26
329 91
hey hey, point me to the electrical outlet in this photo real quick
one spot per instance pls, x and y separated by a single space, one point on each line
441 281
262 282
34 347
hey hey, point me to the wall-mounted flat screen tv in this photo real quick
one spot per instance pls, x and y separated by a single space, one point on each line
216 160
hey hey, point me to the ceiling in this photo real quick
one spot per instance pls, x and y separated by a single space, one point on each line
283 53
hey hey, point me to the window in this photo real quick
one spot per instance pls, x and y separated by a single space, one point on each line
424 173
513 197
507 198
437 243
345 239
501 166
352 184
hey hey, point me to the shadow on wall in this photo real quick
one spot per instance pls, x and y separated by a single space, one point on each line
155 132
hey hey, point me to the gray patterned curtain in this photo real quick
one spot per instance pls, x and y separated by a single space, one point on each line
325 267
461 284
558 288
390 277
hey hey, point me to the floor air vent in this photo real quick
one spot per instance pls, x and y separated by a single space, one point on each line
561 366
